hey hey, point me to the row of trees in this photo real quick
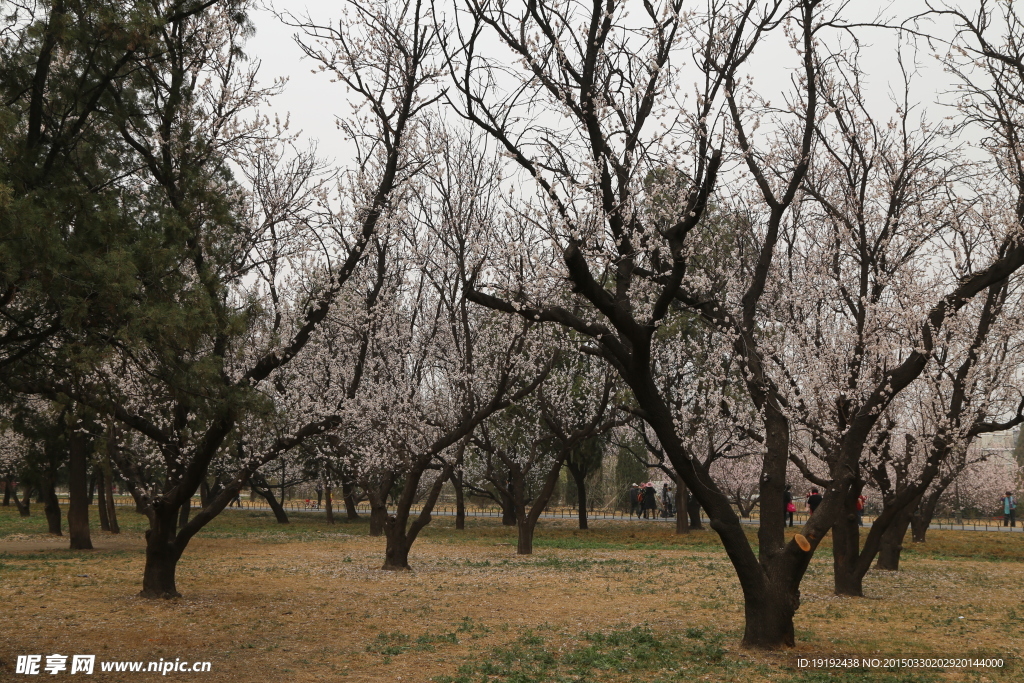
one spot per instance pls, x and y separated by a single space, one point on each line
543 235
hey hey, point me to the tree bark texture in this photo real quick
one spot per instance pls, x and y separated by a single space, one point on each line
162 555
260 486
580 479
101 499
78 491
24 506
51 507
329 504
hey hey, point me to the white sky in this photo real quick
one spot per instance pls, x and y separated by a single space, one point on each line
312 101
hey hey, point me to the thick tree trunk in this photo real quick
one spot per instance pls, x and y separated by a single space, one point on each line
329 505
101 499
892 543
24 506
78 485
396 553
349 495
580 479
162 555
524 545
51 507
7 492
769 618
378 516
847 580
508 510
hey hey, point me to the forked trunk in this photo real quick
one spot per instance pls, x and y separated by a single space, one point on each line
51 507
78 492
162 557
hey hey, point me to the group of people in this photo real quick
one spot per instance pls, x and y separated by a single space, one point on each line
811 502
643 501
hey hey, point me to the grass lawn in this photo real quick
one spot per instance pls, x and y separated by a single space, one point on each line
624 601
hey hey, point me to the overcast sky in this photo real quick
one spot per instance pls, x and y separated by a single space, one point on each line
312 101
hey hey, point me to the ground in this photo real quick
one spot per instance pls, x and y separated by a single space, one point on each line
625 601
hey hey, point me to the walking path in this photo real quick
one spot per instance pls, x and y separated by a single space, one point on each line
984 524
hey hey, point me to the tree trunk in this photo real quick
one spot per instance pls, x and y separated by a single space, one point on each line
693 509
769 618
460 502
349 495
524 545
580 479
183 513
101 498
162 557
396 554
78 491
24 506
682 517
892 543
7 492
260 487
51 507
846 547
922 517
329 505
108 483
92 489
508 510
378 515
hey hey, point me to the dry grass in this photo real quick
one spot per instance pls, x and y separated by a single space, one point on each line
308 603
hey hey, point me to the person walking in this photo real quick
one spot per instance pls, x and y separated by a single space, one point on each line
813 500
650 501
635 496
1009 509
790 505
667 500
861 499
